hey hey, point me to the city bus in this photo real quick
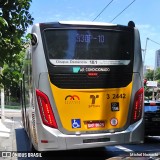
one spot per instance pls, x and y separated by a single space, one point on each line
82 85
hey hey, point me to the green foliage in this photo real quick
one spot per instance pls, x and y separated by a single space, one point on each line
157 74
11 74
3 22
147 93
12 107
150 76
14 20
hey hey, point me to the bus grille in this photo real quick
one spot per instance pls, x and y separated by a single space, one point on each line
82 81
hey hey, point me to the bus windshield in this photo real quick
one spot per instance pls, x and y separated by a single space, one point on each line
89 44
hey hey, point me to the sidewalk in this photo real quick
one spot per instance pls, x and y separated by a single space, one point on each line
4 131
7 138
6 134
8 124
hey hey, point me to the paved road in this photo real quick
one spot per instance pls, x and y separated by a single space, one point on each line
17 140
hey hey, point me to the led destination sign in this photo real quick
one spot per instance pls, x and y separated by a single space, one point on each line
88 47
86 38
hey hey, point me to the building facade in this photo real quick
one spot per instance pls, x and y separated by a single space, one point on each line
157 59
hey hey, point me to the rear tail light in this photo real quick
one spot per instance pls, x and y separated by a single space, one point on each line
45 109
44 141
138 106
152 104
92 74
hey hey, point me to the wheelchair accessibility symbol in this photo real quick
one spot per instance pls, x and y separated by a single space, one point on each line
76 123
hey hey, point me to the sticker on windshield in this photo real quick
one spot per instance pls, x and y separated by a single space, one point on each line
88 62
76 69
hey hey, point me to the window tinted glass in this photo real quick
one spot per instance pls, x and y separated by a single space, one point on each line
88 44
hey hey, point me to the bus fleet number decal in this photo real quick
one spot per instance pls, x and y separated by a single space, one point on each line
116 96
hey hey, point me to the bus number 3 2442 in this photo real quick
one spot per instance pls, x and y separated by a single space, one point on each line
116 96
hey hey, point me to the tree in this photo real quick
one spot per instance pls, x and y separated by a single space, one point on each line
14 20
12 74
149 75
157 75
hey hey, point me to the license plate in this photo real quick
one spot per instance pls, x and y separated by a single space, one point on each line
97 124
155 119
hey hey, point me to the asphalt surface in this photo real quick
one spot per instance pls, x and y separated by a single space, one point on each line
13 139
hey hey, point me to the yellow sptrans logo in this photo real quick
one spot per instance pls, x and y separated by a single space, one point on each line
93 97
93 101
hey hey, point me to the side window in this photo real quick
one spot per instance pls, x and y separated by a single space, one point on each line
27 79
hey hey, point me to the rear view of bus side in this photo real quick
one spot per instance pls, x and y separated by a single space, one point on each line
82 86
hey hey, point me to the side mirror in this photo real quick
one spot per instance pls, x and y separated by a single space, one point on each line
34 39
131 24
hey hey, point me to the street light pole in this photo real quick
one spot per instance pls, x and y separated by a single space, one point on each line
2 104
2 100
145 50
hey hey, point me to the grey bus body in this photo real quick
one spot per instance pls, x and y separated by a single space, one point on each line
42 74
